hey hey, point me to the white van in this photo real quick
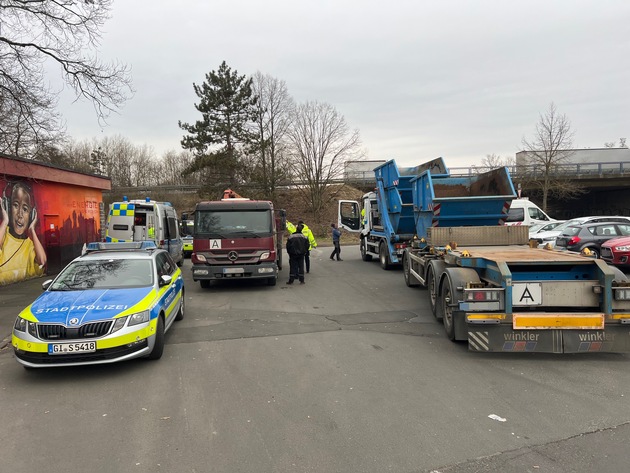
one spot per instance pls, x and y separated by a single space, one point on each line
140 220
525 212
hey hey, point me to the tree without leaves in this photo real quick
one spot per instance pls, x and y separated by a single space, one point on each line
227 106
321 142
493 161
547 151
612 144
37 33
269 150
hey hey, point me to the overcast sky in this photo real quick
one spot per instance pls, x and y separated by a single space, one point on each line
419 79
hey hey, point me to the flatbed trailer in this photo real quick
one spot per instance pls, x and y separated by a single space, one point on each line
517 298
486 282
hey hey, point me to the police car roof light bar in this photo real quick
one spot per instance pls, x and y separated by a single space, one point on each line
120 246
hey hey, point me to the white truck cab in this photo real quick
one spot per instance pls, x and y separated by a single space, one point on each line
524 212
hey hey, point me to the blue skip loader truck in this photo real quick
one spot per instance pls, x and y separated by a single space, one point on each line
486 282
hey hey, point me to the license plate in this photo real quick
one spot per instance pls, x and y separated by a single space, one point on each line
526 294
77 347
233 270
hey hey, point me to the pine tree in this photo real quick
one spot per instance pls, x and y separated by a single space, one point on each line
220 139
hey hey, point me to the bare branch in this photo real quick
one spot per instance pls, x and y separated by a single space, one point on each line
39 33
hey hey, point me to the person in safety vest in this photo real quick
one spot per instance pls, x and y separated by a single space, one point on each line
297 246
312 243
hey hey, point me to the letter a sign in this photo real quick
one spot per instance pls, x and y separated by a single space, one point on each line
526 294
215 244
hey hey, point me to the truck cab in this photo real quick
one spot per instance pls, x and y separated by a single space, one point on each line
237 238
524 212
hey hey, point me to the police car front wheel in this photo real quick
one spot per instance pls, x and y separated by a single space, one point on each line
158 347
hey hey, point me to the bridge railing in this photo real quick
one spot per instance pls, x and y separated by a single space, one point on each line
566 170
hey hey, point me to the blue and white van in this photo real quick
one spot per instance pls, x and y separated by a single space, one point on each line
146 220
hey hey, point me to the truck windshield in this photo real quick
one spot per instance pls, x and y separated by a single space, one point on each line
230 223
515 215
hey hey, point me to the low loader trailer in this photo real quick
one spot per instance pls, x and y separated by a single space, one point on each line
499 294
494 289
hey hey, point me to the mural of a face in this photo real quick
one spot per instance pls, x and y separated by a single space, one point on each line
21 206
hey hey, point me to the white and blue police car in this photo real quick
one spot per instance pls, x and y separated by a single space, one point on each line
113 303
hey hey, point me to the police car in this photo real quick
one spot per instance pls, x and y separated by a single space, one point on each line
113 303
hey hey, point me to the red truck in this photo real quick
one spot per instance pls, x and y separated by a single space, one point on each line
237 238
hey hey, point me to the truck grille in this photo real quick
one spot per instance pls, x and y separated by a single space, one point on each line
61 332
237 257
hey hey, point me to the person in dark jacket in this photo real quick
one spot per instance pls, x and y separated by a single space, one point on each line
297 246
336 234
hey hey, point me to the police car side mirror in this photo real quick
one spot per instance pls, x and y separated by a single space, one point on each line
46 284
165 280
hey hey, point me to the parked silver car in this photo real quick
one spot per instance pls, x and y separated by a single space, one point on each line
549 237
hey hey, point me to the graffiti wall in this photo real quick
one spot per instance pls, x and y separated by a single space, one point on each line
43 226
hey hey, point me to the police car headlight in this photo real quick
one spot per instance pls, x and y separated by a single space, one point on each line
139 318
23 325
119 323
265 255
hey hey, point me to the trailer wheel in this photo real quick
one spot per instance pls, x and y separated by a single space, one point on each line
446 297
384 257
407 272
433 294
364 255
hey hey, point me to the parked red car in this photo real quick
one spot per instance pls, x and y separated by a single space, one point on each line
616 251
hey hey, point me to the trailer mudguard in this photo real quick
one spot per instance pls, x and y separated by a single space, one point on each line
453 282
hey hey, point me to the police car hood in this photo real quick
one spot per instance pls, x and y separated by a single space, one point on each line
86 306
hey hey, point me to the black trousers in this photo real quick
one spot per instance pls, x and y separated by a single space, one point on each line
307 260
336 251
296 268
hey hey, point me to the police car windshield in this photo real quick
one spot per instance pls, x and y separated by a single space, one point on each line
104 274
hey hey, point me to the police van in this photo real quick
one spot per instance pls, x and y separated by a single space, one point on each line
145 220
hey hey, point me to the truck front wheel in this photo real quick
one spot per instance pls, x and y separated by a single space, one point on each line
363 247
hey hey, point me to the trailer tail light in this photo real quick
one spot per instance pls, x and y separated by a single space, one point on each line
573 241
400 246
482 295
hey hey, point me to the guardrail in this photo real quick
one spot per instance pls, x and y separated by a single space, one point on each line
531 171
567 170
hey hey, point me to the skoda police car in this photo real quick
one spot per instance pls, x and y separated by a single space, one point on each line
113 303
